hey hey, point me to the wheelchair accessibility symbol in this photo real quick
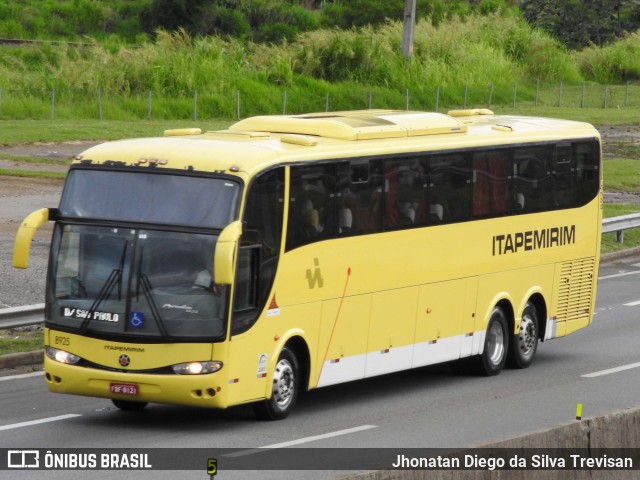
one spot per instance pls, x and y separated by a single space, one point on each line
136 319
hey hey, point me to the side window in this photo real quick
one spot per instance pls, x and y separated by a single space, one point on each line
533 183
405 192
361 191
491 183
259 248
312 209
449 196
588 170
564 177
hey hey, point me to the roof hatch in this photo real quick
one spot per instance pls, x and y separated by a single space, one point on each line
356 125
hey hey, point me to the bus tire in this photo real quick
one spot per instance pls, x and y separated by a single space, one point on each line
525 343
129 406
284 393
496 345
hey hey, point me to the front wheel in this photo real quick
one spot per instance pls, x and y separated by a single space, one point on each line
525 343
286 383
496 344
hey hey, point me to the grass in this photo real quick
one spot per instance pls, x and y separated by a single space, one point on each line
466 60
618 209
16 132
622 175
21 340
631 240
32 174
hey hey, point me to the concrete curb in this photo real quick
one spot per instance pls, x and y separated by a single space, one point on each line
612 257
13 360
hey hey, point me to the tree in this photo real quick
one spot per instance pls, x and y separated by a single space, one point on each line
579 23
172 15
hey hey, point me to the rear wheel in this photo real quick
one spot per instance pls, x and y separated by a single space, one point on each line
525 343
286 383
129 406
496 344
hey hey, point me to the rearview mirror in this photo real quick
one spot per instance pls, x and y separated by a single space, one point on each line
27 230
225 254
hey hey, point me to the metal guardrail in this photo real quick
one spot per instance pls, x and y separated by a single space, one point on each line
620 224
21 316
34 314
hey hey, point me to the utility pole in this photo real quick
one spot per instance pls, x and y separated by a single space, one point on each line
409 24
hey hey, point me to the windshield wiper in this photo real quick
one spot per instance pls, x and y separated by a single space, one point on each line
143 280
115 278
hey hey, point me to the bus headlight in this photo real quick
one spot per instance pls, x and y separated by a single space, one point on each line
62 356
197 368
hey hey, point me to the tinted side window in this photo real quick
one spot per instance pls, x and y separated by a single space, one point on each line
564 177
587 170
449 178
359 192
405 192
533 183
312 210
491 183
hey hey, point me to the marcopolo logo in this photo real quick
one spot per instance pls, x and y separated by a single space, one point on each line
124 360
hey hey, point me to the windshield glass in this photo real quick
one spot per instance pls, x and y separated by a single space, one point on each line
135 282
150 197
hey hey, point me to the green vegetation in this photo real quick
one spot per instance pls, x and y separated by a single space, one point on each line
584 22
617 209
622 174
33 174
256 20
471 60
15 132
20 340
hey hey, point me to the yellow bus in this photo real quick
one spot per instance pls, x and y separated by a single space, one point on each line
288 253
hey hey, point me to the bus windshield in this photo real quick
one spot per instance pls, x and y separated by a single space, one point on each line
133 255
124 282
152 198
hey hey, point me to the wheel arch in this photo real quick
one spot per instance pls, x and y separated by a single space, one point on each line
539 303
504 302
507 307
295 341
299 347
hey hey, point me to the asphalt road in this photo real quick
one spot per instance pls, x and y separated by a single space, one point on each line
428 408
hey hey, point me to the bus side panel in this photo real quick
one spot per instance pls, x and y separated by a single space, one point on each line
254 354
509 285
343 339
442 322
390 345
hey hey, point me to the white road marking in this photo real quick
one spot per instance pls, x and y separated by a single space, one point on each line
612 370
632 304
38 422
302 440
23 375
616 275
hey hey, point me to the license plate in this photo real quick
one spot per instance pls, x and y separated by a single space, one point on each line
130 389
